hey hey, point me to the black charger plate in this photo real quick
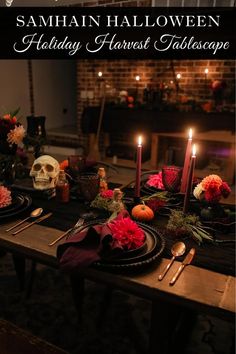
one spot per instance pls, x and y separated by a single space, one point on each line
21 204
151 250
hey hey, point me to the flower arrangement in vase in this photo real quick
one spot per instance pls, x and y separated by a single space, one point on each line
209 192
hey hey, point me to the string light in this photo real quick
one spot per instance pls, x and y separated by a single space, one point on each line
178 76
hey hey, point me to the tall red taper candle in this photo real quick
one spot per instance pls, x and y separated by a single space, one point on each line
186 163
190 181
138 167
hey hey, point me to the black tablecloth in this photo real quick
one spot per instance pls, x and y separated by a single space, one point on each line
216 257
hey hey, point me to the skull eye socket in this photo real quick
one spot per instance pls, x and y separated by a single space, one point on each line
37 167
49 168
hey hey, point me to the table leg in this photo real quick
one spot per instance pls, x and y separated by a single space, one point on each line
19 265
105 304
31 279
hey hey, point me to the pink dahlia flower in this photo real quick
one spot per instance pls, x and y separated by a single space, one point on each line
155 181
108 194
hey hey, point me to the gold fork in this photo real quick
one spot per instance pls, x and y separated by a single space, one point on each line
79 223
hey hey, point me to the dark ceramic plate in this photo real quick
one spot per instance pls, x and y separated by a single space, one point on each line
147 253
148 189
27 201
17 202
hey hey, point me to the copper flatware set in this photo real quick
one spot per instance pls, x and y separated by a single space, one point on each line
178 249
38 220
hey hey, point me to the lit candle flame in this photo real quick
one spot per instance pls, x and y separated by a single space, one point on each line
100 74
140 141
206 71
190 134
137 78
194 150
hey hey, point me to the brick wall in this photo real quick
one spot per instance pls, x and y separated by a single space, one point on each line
120 75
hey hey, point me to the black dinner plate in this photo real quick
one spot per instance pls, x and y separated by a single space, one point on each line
27 201
17 202
151 250
149 189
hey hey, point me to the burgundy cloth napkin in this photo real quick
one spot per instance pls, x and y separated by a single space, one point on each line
88 246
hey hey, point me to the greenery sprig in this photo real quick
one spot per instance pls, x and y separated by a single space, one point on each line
182 224
158 195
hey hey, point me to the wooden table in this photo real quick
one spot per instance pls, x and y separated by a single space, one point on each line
197 289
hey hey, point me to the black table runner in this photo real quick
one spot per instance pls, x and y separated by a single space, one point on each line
216 257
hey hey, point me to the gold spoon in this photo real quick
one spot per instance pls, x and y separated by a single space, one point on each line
177 250
34 214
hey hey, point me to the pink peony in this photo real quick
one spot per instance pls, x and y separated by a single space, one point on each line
155 181
127 233
5 197
108 194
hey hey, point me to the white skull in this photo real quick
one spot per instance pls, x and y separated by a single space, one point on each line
45 171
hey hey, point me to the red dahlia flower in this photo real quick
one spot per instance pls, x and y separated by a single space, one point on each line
127 233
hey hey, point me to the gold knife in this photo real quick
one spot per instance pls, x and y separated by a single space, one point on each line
187 260
32 223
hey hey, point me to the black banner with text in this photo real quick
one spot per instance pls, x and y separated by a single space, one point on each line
116 33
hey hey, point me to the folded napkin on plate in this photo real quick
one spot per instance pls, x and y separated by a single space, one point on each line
88 246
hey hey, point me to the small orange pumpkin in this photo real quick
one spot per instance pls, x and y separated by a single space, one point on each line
142 212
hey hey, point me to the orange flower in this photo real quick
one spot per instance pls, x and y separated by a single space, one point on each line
212 181
64 164
16 135
7 116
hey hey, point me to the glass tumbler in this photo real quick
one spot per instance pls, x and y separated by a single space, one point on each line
171 178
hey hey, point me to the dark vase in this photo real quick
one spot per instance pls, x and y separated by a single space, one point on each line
212 211
7 162
36 126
